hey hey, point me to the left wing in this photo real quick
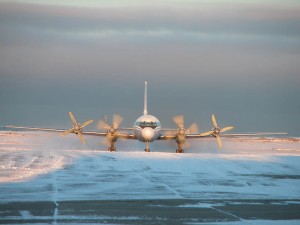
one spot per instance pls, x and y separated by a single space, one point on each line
182 134
254 134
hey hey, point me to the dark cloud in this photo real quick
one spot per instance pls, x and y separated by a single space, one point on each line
200 18
240 61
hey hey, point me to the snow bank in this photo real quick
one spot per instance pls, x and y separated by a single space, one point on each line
44 167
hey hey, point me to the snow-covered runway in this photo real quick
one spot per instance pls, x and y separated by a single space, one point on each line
39 167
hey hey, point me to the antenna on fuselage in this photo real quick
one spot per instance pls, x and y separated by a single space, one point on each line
145 99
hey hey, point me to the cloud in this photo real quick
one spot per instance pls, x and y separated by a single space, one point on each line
155 21
193 37
223 55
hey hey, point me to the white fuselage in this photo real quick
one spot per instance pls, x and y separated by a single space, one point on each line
147 128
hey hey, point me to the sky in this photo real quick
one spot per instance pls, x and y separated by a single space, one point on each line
237 59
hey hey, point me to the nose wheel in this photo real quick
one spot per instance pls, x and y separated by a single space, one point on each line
147 149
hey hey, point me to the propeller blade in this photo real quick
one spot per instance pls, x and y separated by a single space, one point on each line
193 129
105 118
103 124
187 144
86 123
219 142
81 137
208 133
213 118
227 128
72 118
179 120
67 132
104 142
117 120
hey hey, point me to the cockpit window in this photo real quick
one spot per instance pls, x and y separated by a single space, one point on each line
144 124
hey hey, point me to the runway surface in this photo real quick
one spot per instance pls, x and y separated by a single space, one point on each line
173 212
45 179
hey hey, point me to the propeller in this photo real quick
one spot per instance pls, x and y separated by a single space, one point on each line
216 131
116 121
112 133
77 128
182 132
179 120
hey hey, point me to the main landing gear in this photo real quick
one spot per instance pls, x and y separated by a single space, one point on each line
112 149
179 150
179 147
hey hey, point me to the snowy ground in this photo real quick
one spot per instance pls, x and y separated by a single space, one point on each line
42 167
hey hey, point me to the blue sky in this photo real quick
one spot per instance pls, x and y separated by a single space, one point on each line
239 60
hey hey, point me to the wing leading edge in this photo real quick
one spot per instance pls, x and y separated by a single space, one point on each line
92 133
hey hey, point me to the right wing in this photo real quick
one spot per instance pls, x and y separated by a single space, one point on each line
92 133
36 128
55 130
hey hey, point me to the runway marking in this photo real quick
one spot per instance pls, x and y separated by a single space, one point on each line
26 215
177 194
172 190
54 198
231 214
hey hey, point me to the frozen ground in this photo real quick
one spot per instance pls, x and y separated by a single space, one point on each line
42 170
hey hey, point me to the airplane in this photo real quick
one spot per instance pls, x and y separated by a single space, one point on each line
147 128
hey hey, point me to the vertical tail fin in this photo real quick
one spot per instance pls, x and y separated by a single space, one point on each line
145 100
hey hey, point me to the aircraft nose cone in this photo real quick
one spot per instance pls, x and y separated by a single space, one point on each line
148 133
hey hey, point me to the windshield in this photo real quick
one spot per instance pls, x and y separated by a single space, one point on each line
144 124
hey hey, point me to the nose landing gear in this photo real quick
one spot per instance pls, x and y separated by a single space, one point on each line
147 149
